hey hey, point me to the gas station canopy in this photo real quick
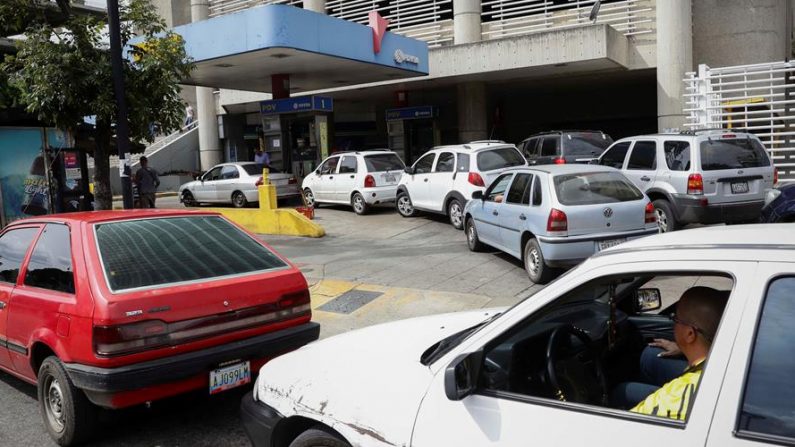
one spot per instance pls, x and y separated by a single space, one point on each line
243 50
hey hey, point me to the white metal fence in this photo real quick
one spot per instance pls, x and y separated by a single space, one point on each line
755 98
221 7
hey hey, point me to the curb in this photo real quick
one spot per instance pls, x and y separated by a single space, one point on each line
158 195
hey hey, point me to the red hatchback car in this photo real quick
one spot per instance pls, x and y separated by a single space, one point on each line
118 308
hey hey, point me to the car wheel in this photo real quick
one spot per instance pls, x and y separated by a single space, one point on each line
68 415
239 200
473 241
455 211
318 438
187 199
537 269
666 219
358 203
309 198
404 205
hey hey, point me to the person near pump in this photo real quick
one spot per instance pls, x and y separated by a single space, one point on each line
262 159
147 181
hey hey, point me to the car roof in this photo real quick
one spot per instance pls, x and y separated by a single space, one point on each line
364 152
573 168
475 146
551 132
694 134
111 215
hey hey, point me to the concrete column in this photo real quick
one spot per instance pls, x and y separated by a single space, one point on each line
472 120
315 5
466 21
674 58
210 150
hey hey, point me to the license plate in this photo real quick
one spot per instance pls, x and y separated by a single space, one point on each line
739 187
390 178
229 377
604 245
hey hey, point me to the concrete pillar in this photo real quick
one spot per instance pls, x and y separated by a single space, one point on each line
210 150
674 59
472 120
466 21
315 5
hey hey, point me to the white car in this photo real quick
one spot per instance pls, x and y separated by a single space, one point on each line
542 372
235 183
360 179
444 178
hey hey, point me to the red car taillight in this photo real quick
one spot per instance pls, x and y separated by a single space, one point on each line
259 182
557 221
650 215
476 179
292 181
775 176
369 182
560 161
695 184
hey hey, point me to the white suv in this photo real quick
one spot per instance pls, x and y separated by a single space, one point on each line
708 176
443 179
359 179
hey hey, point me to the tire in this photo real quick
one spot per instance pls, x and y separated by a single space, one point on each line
318 438
666 219
309 198
455 212
68 415
359 204
473 241
187 199
404 205
239 200
534 263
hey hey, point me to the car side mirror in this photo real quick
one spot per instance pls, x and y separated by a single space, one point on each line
647 300
409 170
317 171
477 195
461 376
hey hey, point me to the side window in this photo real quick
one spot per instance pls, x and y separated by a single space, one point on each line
463 163
519 192
496 191
549 146
614 157
214 174
348 164
768 401
644 156
677 155
446 162
50 265
14 245
330 166
229 172
537 197
529 148
424 164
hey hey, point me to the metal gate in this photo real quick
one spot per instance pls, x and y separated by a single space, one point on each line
754 98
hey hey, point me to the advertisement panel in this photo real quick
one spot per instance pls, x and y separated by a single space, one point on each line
23 181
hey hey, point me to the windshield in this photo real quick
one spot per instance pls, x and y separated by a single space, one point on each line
383 162
732 154
595 188
253 169
500 158
585 143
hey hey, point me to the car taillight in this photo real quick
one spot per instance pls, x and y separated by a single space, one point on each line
560 161
727 136
695 184
775 176
369 182
292 181
557 221
476 179
128 338
259 183
651 217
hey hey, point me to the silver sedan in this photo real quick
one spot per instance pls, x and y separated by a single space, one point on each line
235 183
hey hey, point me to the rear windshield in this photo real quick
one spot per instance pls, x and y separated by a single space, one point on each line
590 144
255 170
733 154
383 162
500 158
594 188
154 252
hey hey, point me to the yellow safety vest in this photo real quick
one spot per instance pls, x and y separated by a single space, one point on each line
674 398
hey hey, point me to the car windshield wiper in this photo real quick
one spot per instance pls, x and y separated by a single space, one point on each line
444 346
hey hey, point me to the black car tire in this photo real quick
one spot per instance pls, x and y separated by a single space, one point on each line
70 418
239 200
534 263
455 212
188 199
666 219
404 205
359 204
473 241
318 438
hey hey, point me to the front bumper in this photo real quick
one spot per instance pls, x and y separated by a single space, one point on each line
566 251
379 194
694 209
259 420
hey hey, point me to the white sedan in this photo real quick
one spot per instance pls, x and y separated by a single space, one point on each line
235 183
547 371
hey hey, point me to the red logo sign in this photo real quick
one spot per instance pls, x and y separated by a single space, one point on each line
378 24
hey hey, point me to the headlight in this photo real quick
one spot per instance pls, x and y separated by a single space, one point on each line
772 195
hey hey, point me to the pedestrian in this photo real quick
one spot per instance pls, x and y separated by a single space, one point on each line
262 159
188 115
147 181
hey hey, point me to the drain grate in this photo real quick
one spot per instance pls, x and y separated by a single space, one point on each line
350 301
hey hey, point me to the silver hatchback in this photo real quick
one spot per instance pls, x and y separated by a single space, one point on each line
557 215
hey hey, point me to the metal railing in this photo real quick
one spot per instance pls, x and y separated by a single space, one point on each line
223 7
154 147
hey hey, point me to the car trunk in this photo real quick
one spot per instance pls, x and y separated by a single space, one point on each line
591 219
386 168
735 170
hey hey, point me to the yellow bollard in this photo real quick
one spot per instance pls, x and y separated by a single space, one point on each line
267 193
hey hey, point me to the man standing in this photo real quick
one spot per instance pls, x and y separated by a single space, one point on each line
262 159
188 115
147 181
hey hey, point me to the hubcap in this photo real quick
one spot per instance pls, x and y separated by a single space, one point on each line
662 220
455 214
358 204
471 234
239 199
404 205
533 261
54 404
310 198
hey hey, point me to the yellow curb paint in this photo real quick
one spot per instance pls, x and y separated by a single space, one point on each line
286 222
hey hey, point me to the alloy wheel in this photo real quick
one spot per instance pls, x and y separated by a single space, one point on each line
662 220
309 197
404 205
358 203
456 214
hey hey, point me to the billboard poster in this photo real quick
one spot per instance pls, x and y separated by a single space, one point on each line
23 181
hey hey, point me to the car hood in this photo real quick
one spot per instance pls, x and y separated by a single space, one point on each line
189 185
366 384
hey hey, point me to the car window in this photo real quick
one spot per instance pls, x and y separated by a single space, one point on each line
595 187
737 153
446 162
677 155
214 174
463 163
614 157
50 265
253 169
155 252
348 165
643 156
519 192
14 245
329 166
229 173
383 163
537 195
530 149
424 164
496 192
768 404
505 157
549 146
590 144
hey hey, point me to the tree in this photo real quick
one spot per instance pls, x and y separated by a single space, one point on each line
62 74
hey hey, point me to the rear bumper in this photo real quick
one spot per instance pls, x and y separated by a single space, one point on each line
567 251
692 209
103 386
259 420
379 194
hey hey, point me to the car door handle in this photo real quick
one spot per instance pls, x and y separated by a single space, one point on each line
645 179
425 180
522 217
495 213
353 176
330 177
2 305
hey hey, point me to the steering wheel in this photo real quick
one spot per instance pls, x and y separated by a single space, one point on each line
571 379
